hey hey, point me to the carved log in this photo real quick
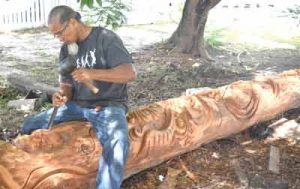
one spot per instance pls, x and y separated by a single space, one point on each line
67 155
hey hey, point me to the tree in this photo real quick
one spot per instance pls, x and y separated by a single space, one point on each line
189 35
105 12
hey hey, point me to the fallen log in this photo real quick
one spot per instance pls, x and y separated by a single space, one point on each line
25 85
67 155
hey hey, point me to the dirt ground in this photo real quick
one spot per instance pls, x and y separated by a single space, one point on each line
164 73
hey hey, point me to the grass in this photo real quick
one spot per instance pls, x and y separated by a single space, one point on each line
45 75
8 93
253 38
32 30
291 40
214 37
45 106
10 58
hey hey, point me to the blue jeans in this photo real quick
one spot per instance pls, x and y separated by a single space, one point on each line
111 129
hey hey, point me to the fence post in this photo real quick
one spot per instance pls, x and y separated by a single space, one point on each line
42 12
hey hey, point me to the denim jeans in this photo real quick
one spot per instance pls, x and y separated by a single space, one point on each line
111 129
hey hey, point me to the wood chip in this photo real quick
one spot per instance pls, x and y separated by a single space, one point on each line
274 159
240 173
188 173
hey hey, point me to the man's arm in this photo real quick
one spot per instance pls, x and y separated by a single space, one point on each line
123 73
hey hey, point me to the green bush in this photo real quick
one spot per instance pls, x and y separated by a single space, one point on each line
108 13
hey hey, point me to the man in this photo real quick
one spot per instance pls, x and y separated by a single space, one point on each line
103 60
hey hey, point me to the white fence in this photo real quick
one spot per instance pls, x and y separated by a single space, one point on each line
18 14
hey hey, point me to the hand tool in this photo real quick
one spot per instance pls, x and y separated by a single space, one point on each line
68 65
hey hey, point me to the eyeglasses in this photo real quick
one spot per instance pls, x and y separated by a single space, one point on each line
61 32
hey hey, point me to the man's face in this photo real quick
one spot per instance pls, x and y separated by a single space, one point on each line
65 32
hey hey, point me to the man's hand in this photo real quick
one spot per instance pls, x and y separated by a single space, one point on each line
82 75
58 99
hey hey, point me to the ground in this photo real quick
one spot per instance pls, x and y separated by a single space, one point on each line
164 73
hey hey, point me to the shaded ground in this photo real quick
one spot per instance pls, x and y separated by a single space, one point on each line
209 167
164 74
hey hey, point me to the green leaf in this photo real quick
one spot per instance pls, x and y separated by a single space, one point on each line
88 3
99 2
108 13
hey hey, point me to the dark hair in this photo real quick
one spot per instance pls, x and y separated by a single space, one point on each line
63 13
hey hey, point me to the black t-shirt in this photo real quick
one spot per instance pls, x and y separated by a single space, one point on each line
102 49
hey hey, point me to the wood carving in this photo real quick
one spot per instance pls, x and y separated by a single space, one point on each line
67 155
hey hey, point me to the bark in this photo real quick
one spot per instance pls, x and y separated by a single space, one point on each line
189 35
66 156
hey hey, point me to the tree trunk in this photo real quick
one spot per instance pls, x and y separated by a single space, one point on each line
189 35
66 156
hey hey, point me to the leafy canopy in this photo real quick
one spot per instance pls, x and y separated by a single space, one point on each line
105 12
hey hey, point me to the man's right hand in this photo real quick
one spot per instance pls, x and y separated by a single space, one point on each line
58 99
